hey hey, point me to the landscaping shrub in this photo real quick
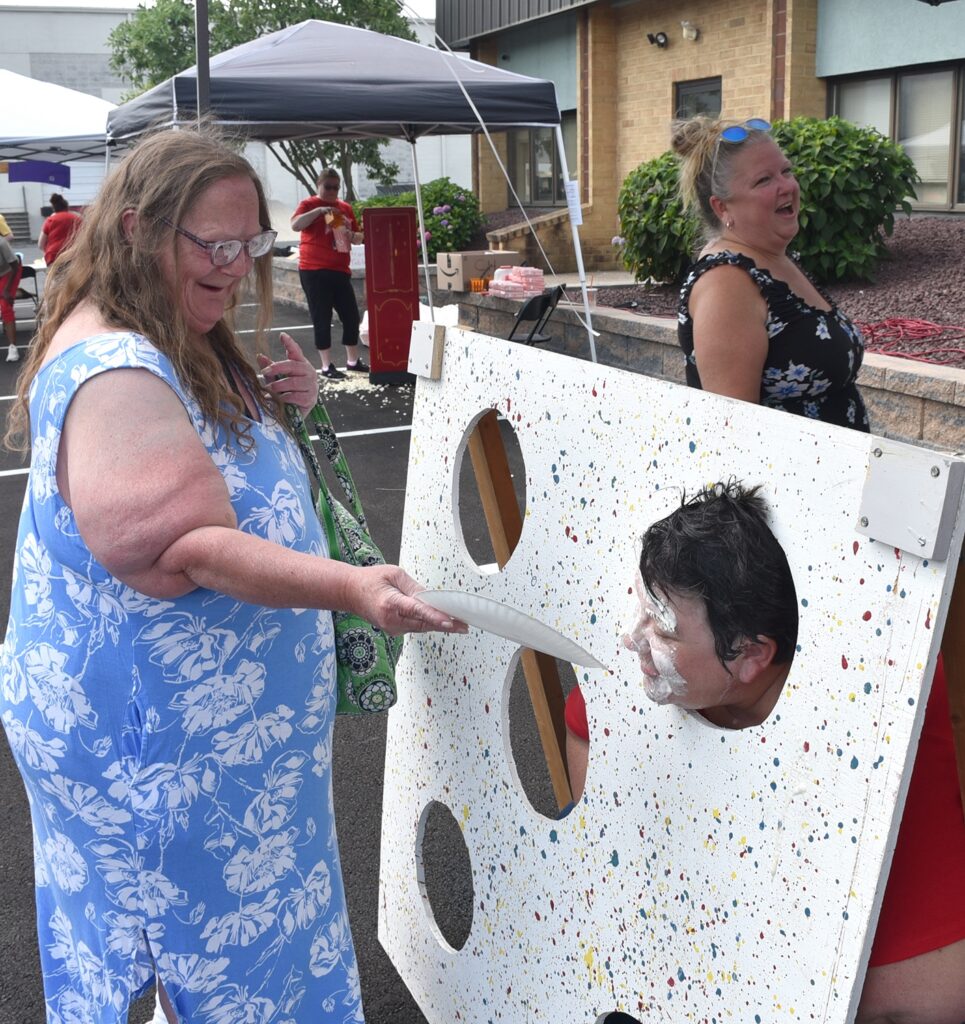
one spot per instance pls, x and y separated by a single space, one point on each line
852 181
451 214
658 237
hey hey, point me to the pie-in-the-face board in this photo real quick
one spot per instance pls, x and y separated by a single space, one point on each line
706 875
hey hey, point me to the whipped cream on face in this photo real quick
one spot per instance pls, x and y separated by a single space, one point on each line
661 680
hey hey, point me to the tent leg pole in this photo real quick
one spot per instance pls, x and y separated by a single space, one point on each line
422 228
576 248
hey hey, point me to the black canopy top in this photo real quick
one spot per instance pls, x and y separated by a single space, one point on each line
319 79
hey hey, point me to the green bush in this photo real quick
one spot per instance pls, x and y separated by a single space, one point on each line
852 181
451 214
658 237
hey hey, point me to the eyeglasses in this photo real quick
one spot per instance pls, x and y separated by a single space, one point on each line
734 134
223 253
331 188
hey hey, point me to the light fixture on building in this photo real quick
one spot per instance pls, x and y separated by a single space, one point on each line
657 39
690 31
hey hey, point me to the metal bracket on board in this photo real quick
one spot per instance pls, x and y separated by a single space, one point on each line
911 497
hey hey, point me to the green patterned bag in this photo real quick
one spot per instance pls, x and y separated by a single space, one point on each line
365 654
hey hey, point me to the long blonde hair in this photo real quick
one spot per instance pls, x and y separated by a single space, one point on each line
117 273
706 165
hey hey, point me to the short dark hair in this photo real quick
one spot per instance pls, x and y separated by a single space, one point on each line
327 174
718 547
58 202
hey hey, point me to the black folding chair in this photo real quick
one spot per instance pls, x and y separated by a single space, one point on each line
537 311
32 293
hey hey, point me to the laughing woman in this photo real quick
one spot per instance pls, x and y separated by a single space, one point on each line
751 323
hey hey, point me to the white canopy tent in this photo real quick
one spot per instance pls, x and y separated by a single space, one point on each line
42 121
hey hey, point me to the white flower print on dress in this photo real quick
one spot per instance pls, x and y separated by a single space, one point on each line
186 647
61 946
304 906
36 569
220 699
282 520
98 601
65 862
331 942
227 463
275 804
193 972
43 464
163 793
129 885
241 927
28 744
125 932
238 1006
84 802
251 871
59 697
249 743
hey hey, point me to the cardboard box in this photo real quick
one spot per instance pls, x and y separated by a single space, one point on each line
454 270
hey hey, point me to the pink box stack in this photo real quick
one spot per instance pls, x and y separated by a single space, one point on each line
518 283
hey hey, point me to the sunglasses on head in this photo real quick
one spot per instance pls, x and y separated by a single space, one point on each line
739 132
736 133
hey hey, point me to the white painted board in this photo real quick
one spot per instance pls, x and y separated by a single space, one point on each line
706 875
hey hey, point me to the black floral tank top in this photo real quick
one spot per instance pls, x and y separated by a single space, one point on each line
813 354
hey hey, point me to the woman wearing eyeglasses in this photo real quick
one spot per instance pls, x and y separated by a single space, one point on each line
328 228
751 323
754 326
168 669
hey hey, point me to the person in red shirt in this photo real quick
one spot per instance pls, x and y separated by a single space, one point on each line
59 228
328 228
10 271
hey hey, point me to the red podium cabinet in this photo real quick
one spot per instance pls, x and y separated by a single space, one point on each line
391 290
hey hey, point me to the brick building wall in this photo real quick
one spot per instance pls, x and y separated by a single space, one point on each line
763 51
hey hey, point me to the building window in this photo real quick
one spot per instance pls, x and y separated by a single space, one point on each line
867 103
924 112
535 168
925 130
701 96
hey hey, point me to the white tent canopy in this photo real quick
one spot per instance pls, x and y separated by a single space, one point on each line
42 121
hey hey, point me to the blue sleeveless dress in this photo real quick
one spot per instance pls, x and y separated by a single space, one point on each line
176 754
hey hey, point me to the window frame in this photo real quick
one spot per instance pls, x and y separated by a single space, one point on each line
528 135
694 85
956 151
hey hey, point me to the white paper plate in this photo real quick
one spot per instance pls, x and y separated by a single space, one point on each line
509 623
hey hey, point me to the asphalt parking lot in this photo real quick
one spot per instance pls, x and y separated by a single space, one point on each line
374 424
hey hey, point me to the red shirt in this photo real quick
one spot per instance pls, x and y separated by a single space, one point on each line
59 228
316 250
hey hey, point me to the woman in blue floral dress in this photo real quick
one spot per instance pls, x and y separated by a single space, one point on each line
168 670
751 324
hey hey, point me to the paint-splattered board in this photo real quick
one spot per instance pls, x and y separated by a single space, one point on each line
706 875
